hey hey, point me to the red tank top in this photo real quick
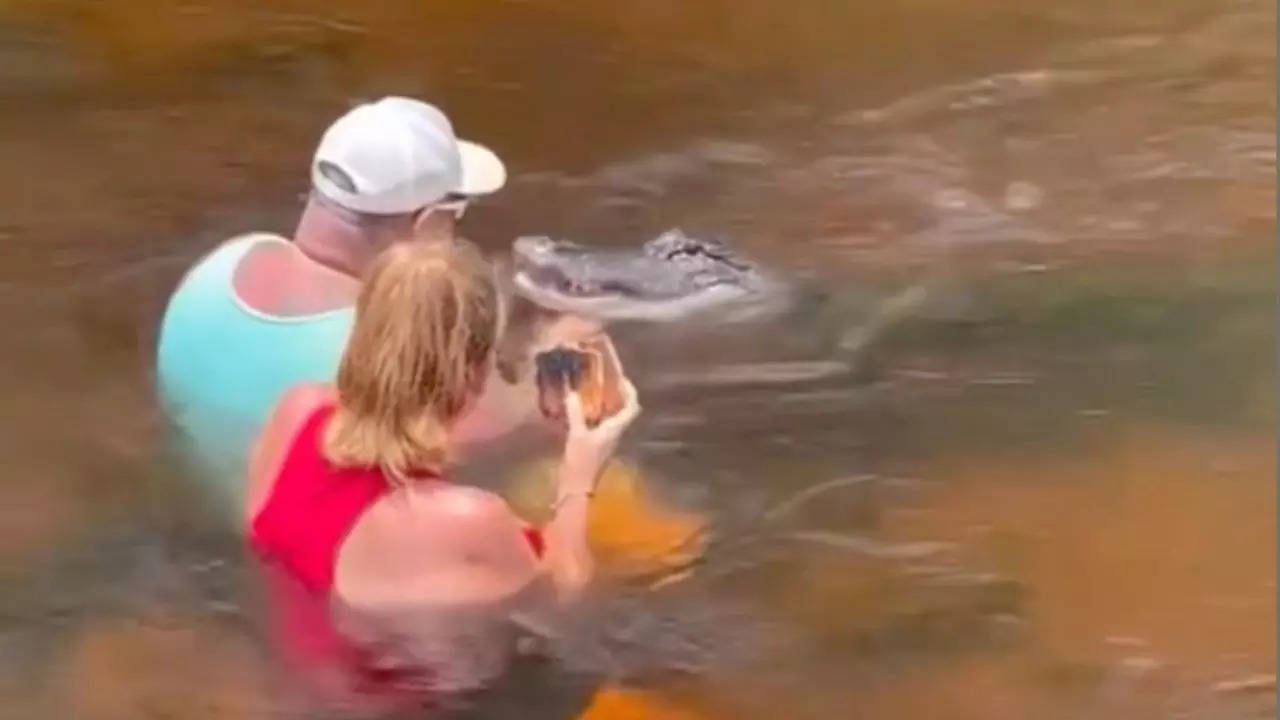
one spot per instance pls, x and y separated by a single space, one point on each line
313 505
311 508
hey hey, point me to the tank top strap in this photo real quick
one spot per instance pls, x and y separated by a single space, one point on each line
306 453
312 507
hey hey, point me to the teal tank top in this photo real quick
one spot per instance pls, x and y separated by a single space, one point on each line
221 365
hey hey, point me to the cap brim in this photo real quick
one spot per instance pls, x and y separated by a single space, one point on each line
482 170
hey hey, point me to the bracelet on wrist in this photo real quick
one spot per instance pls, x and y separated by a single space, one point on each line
562 497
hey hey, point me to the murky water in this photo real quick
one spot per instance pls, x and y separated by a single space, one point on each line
1047 492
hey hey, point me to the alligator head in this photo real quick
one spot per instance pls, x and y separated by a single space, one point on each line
669 277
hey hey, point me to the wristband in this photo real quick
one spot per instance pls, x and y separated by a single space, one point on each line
560 499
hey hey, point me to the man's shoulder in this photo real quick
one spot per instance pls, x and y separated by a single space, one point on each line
227 253
211 273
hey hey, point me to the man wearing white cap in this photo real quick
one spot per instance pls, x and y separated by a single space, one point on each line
260 313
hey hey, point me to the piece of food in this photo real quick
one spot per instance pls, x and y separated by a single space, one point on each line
600 387
588 369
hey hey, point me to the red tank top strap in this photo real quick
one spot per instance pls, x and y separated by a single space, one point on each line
312 506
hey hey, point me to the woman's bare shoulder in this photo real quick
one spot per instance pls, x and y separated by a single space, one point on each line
443 509
438 543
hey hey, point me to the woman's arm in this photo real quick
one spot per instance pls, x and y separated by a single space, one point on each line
501 408
586 451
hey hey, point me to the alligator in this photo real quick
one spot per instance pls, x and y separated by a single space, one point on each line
670 277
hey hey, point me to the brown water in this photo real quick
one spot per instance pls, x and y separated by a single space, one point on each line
1056 492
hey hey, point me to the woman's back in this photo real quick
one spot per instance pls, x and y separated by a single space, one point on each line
375 589
348 531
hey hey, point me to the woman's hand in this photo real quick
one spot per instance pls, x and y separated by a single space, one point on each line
587 449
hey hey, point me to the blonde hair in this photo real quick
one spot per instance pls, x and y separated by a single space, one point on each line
426 321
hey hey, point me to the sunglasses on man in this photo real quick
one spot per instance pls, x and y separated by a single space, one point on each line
455 203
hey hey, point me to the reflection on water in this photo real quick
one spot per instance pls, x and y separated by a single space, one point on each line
621 704
178 667
1147 569
631 532
1045 492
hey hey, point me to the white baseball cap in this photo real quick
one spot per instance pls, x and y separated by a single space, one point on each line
398 155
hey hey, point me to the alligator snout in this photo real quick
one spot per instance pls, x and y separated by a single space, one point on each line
668 277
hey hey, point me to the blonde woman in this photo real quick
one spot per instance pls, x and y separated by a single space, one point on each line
348 485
